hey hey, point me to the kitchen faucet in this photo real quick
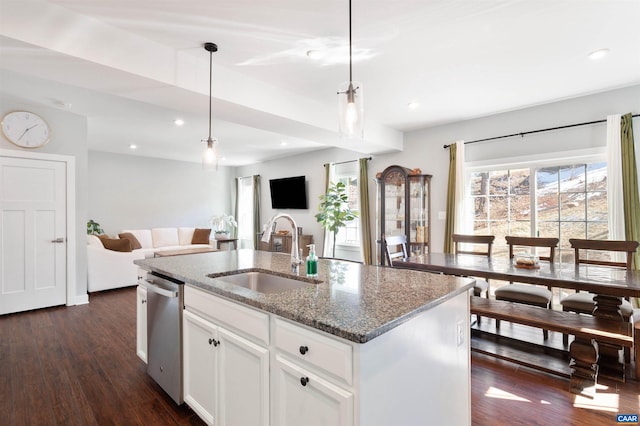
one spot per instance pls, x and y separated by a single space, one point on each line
296 259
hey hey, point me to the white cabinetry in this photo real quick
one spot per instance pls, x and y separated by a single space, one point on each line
226 373
200 360
312 377
304 398
141 323
268 370
243 380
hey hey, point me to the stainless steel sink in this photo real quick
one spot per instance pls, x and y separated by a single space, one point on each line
264 282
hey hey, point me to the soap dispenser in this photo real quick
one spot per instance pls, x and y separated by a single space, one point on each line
312 261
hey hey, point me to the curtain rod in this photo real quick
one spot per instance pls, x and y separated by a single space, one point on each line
350 161
537 131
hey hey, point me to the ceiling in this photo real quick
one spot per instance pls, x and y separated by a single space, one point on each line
133 66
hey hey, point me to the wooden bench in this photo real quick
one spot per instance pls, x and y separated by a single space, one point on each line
586 329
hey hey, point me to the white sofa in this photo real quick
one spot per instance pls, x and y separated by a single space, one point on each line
108 269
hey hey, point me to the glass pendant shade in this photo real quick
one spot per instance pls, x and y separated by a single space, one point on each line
350 110
210 154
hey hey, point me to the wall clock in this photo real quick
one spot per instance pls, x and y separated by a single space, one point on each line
25 129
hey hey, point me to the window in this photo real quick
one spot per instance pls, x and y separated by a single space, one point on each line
566 201
348 174
350 234
246 209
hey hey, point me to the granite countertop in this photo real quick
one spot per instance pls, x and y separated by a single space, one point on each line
353 301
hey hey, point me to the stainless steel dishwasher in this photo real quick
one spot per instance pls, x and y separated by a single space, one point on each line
165 303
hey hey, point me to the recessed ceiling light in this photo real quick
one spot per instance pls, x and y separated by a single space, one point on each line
598 54
413 105
133 146
178 122
62 104
283 143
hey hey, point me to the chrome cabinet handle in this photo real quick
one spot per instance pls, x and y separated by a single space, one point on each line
58 240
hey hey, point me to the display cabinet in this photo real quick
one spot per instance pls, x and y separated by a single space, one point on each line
404 208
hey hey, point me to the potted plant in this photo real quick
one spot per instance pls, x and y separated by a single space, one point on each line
93 228
222 226
334 210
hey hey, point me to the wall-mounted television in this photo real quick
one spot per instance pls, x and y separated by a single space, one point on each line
288 193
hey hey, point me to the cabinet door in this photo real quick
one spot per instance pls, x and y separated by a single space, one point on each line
200 361
419 223
141 323
243 379
302 398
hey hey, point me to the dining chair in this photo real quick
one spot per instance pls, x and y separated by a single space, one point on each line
529 294
481 245
395 248
582 302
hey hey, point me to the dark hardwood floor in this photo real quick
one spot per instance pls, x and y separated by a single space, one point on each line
77 366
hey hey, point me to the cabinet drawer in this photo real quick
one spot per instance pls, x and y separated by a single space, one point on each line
252 323
141 275
330 355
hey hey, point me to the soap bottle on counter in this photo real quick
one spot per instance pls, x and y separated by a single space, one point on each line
312 261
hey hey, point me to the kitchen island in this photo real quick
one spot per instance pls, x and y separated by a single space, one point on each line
361 345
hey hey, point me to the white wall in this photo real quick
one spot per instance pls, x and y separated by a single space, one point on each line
68 137
132 192
424 149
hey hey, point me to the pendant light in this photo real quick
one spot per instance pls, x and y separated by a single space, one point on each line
210 153
350 107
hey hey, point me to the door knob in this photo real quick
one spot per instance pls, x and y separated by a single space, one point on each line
58 240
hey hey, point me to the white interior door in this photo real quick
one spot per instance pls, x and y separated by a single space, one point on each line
32 234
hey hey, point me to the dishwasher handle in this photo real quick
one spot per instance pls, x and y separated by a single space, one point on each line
160 290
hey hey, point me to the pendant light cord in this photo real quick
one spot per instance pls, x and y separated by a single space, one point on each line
350 72
210 84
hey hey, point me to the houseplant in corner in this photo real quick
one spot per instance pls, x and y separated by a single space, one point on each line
222 226
93 228
334 210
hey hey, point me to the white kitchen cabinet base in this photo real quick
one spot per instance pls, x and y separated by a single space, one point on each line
418 372
141 323
415 373
226 376
303 398
243 375
200 360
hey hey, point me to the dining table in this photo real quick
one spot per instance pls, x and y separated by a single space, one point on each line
610 285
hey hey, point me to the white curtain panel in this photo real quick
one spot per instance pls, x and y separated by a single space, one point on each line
245 212
614 178
464 224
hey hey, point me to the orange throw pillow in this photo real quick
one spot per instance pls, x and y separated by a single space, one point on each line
201 236
116 244
135 244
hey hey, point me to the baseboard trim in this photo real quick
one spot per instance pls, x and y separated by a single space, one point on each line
82 300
